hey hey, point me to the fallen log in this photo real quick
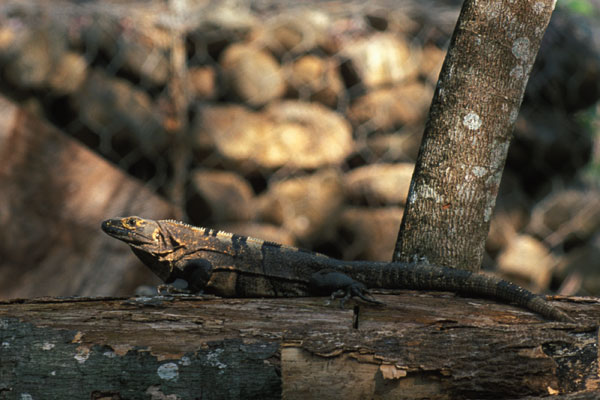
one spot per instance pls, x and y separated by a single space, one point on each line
418 345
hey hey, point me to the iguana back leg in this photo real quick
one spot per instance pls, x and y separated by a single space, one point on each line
338 284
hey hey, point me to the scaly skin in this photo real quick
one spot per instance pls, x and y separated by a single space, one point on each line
231 265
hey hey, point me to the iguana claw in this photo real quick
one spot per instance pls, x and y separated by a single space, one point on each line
339 285
177 287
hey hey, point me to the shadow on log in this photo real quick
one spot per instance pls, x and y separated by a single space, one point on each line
417 346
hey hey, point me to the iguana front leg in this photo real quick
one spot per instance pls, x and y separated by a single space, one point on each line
338 284
189 278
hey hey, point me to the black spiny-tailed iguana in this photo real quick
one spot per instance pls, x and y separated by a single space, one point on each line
230 265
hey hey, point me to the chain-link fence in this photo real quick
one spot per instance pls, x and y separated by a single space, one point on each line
300 123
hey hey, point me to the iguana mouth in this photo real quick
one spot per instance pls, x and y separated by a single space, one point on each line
115 228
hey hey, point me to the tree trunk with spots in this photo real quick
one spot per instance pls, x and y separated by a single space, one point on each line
466 139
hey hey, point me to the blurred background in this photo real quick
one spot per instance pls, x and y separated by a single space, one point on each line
297 122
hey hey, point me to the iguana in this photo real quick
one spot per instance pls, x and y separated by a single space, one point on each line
231 265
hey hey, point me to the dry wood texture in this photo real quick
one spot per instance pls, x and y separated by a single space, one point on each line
433 345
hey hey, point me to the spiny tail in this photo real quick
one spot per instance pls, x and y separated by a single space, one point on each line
429 277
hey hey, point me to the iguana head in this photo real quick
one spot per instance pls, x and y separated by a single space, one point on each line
162 246
135 231
148 241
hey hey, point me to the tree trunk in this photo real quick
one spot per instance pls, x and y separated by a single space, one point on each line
434 346
466 139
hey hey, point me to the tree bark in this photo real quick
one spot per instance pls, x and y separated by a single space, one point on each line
420 345
466 138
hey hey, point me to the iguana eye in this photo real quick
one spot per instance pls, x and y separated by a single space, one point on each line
131 222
